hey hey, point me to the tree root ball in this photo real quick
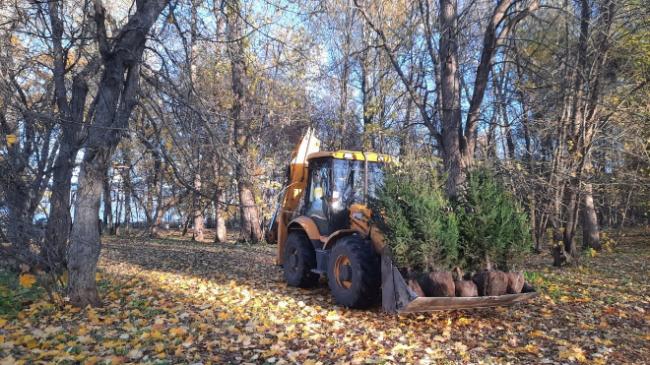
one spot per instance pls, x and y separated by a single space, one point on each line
466 288
491 283
413 285
527 288
515 282
438 284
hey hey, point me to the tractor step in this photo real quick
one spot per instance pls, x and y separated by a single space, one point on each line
322 257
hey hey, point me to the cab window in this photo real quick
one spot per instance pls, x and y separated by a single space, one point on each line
319 189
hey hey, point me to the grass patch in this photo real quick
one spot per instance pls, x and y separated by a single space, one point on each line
13 297
535 279
543 284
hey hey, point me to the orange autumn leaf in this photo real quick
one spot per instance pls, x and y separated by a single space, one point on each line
27 280
177 331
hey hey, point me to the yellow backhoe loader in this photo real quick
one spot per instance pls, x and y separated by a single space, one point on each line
322 227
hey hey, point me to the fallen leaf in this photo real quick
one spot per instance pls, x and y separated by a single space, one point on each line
27 280
574 353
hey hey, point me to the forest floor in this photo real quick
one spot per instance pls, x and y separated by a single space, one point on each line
173 301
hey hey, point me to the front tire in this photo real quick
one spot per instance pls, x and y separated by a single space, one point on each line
299 260
353 273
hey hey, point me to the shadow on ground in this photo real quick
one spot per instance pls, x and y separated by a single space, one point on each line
595 312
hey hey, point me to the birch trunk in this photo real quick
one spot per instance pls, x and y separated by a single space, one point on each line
197 234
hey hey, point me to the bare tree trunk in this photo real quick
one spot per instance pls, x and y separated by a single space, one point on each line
505 120
85 241
250 229
343 87
148 206
491 39
197 234
450 97
587 86
108 206
219 197
115 100
17 204
537 218
60 220
626 207
158 185
221 232
128 190
186 224
491 145
154 229
570 224
367 100
119 204
591 233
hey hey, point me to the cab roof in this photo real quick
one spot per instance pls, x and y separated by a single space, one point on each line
352 155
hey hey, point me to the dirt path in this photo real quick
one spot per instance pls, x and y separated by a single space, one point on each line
170 301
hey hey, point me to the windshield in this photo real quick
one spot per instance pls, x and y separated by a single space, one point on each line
349 181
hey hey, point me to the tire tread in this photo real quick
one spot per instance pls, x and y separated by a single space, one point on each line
368 290
307 255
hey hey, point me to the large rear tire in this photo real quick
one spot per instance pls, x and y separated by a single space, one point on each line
299 260
353 273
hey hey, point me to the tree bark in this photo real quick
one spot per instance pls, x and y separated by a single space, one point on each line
591 233
186 224
219 197
149 205
116 97
450 98
158 186
571 223
108 205
60 219
250 229
221 232
197 234
85 241
128 190
72 111
17 204
584 117
343 83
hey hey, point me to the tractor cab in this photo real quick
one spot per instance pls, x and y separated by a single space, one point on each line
329 231
336 181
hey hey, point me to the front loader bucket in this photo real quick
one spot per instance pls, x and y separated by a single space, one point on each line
397 297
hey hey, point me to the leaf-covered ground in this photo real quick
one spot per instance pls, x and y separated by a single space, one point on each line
171 301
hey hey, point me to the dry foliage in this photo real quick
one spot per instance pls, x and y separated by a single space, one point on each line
171 301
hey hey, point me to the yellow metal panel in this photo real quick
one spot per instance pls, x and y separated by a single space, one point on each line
353 155
297 182
308 226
